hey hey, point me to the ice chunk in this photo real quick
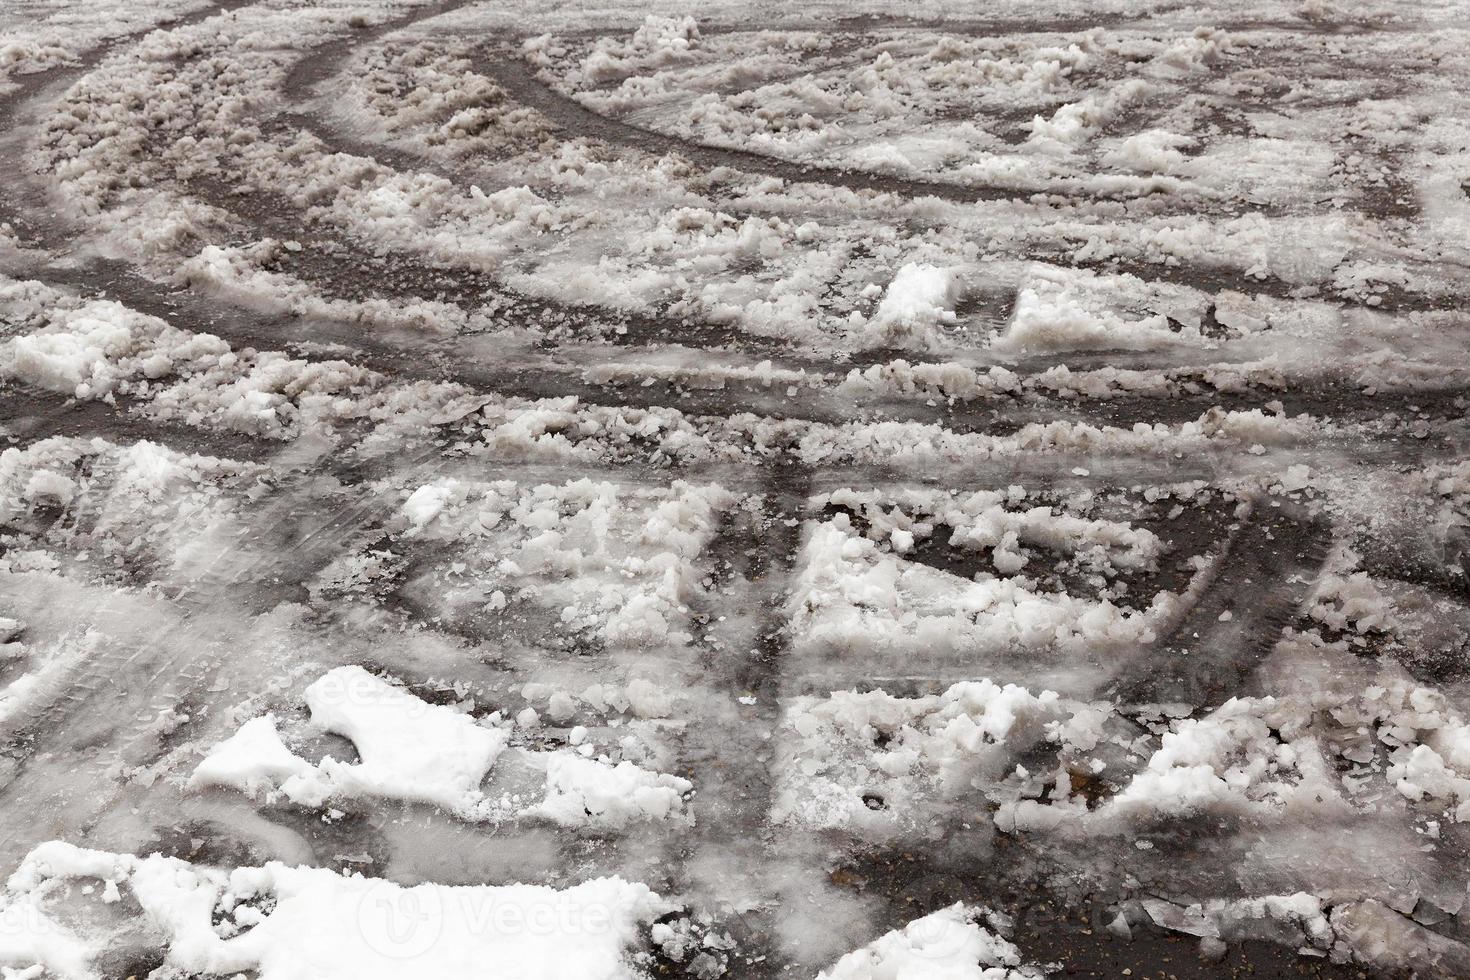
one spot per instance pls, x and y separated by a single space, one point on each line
425 503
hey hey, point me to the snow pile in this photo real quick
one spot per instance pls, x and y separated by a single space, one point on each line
1152 151
452 105
1352 601
948 380
659 43
417 752
1249 757
616 564
73 360
705 377
923 443
410 750
272 921
20 55
920 298
949 944
1076 122
254 761
1067 310
425 503
564 429
583 791
1266 759
1229 758
997 521
873 761
1425 740
880 764
852 596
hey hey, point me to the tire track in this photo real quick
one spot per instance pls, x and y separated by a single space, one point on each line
29 414
1260 575
227 595
1233 618
30 86
747 665
521 81
467 284
455 360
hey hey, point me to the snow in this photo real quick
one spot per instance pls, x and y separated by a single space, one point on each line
65 361
409 749
101 349
526 414
279 922
1062 310
252 760
587 792
618 562
933 747
412 751
920 298
1153 151
425 503
949 944
851 596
